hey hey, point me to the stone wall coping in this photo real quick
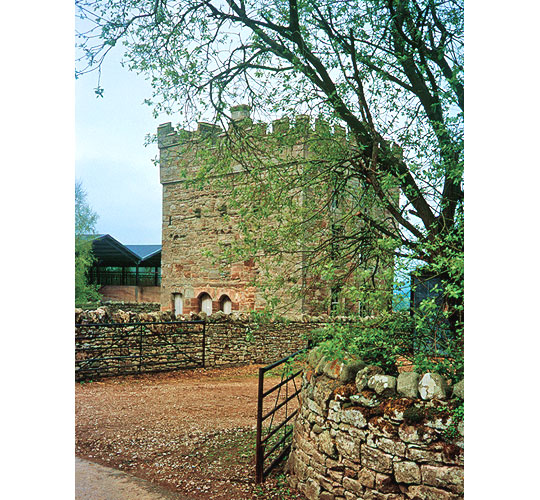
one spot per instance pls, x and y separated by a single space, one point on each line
217 317
413 385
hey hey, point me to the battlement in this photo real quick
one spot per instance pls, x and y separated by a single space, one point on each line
241 120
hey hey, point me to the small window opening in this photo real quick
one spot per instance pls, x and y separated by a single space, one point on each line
205 303
225 304
178 300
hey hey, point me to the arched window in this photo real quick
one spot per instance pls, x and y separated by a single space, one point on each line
205 303
225 304
178 300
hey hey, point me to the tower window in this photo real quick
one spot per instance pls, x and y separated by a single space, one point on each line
205 303
178 300
225 304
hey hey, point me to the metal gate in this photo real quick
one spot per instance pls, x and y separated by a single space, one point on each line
104 349
274 426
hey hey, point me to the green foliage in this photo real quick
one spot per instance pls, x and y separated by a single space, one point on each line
332 209
250 337
458 415
391 340
85 221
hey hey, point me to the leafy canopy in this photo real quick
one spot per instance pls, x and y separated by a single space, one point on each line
390 71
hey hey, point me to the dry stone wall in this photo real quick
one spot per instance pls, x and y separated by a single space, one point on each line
361 434
137 307
230 339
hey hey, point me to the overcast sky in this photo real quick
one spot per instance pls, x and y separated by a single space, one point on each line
111 160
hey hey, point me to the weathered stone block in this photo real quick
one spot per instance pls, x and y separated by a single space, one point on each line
353 485
317 429
323 393
314 357
347 446
312 489
443 477
385 483
423 492
382 427
355 432
433 386
332 369
388 445
407 384
334 464
326 444
325 495
384 385
459 390
336 475
394 409
440 423
349 371
370 400
417 434
334 411
375 495
367 477
319 468
354 417
436 453
298 467
293 481
314 407
375 459
320 365
363 376
407 472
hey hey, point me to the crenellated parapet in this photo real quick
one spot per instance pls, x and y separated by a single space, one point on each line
181 149
241 120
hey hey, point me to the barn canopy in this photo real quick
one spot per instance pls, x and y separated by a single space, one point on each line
111 253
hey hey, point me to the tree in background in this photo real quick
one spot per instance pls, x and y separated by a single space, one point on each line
85 222
390 71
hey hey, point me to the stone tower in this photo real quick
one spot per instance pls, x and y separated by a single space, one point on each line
196 222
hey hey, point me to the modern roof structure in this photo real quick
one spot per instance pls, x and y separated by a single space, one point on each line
110 252
149 254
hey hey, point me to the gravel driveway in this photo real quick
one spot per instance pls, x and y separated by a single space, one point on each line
192 432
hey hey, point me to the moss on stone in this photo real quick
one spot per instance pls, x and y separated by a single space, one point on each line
413 415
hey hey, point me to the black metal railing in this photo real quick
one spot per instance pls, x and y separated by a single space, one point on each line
274 427
105 349
122 278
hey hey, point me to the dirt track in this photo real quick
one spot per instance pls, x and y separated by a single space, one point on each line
192 432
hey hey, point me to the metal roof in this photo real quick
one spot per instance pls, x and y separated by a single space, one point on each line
111 253
150 255
144 251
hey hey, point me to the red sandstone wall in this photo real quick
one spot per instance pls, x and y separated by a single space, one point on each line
197 221
131 293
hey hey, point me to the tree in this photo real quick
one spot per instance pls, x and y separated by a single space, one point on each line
391 71
85 221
